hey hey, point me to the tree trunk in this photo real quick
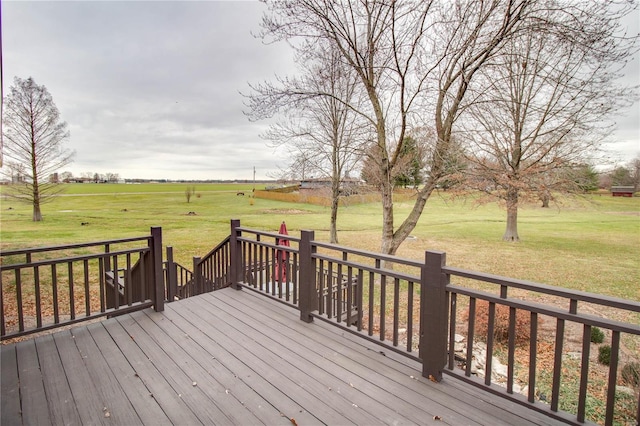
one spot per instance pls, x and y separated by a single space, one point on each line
37 214
545 197
387 244
511 232
409 224
335 200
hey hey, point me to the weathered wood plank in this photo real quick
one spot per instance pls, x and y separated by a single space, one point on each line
146 407
360 384
378 394
159 389
85 395
329 407
62 406
116 405
190 340
253 361
35 410
10 413
288 390
219 397
244 376
180 383
300 352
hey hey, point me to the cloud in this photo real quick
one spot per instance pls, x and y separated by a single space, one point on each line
149 89
152 89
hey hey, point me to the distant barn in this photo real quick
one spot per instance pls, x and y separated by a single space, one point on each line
622 191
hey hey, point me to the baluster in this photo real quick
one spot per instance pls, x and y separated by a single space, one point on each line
72 302
533 350
87 290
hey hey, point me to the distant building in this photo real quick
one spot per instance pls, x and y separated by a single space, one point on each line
622 191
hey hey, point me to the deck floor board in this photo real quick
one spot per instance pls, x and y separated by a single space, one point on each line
360 384
230 357
154 380
62 406
10 411
34 409
315 380
208 358
134 390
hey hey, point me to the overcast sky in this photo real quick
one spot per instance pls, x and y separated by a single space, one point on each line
151 89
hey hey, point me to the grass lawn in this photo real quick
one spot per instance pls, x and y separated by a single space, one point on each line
590 243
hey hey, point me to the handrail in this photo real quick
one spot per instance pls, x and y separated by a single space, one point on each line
217 248
384 271
418 307
59 260
577 295
370 254
39 295
543 309
71 246
269 234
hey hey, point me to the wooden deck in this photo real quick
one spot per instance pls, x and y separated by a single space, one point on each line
229 357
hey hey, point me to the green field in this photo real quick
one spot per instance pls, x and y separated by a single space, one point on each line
590 244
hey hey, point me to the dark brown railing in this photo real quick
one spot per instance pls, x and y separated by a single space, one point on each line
415 309
210 273
559 317
435 314
47 287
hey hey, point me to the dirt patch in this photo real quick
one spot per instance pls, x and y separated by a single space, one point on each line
284 211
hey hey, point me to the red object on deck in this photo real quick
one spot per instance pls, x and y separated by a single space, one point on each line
282 256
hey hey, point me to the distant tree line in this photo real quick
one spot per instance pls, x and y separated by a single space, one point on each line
625 175
68 177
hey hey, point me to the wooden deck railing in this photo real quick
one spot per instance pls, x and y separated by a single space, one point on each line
47 287
568 315
438 315
426 310
210 273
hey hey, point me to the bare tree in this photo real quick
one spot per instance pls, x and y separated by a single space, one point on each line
541 105
414 61
66 177
420 61
112 177
319 127
188 193
33 137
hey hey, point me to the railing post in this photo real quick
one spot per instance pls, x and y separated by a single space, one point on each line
197 276
307 292
235 255
172 276
156 260
433 315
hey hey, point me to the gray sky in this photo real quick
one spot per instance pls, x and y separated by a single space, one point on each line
151 89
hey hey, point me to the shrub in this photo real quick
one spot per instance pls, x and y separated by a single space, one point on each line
597 336
604 354
631 373
501 327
